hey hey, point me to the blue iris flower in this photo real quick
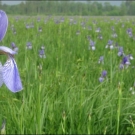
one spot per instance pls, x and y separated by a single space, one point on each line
8 72
103 75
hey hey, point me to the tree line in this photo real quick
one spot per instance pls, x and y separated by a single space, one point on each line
69 8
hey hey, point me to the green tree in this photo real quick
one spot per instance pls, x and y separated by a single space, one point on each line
69 8
123 9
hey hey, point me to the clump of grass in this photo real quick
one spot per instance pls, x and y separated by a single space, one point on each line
62 93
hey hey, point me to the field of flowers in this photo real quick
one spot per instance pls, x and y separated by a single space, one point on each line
78 75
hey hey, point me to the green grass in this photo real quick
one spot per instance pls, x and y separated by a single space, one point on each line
66 96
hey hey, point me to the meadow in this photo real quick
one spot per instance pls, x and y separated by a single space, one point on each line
64 92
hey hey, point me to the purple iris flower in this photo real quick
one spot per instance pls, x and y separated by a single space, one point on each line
125 62
110 44
8 72
103 75
42 53
101 60
129 32
14 47
98 30
121 66
92 44
120 51
28 45
3 24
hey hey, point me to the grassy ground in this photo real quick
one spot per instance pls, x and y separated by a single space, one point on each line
65 96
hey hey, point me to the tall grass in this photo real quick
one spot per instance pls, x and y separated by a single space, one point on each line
65 96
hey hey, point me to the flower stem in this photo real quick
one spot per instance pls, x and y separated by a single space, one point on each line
119 108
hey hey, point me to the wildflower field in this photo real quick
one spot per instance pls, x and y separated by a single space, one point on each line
78 75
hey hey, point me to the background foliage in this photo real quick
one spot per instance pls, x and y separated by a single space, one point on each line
70 8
